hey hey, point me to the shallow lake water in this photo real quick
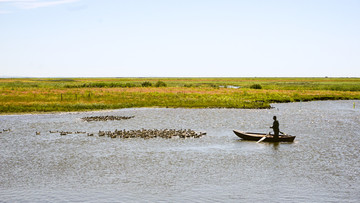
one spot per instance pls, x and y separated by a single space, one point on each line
322 165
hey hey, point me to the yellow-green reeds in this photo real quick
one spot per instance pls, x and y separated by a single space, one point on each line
69 94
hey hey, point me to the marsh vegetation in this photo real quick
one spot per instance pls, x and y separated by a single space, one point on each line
22 95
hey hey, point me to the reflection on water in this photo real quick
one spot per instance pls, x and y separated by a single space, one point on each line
322 164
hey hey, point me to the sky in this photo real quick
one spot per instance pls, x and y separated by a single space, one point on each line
179 38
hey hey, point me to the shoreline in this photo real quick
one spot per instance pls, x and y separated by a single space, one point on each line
51 95
154 107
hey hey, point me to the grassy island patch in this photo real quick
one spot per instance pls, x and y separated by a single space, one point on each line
24 95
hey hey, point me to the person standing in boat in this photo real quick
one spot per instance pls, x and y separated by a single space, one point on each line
275 127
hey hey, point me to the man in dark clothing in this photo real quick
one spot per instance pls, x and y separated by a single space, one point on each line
275 127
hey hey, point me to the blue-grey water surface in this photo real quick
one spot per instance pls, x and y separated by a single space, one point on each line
322 165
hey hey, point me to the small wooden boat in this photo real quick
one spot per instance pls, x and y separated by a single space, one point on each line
258 136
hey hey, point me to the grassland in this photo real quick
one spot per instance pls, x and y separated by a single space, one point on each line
25 95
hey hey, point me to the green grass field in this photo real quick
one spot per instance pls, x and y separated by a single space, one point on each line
26 95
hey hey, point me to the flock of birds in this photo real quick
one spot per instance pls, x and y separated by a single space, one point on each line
106 118
152 133
142 133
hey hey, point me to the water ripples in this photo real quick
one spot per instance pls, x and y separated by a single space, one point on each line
322 165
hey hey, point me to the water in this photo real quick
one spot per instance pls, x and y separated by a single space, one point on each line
322 165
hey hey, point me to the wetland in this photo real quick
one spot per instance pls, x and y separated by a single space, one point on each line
39 95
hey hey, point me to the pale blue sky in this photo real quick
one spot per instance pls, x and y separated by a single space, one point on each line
180 38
